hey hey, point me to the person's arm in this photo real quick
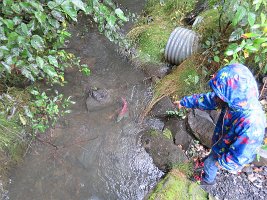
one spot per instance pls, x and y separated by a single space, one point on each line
248 139
201 101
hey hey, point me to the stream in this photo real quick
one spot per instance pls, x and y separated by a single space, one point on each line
88 155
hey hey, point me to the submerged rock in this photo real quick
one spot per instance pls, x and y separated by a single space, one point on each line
99 99
202 126
180 134
162 150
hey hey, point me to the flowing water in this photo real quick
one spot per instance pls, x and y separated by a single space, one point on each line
88 155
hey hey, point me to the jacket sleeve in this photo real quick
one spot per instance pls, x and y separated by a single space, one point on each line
201 101
243 149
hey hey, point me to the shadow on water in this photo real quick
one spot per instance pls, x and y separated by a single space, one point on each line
92 156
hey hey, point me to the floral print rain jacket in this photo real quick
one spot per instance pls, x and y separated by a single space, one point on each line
240 129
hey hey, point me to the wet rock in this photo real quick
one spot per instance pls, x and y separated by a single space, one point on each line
180 134
154 123
157 70
214 114
99 99
160 109
162 150
201 126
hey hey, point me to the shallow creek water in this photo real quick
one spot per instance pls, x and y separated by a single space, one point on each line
96 157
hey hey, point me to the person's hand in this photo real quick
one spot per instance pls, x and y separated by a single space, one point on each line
177 103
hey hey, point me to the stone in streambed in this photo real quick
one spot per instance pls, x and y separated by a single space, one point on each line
162 150
160 108
99 99
201 126
179 131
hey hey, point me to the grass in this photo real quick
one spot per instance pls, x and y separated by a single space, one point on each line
178 83
12 132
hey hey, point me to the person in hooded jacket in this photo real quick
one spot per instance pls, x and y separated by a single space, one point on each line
240 129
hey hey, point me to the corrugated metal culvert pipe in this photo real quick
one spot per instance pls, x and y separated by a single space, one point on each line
182 43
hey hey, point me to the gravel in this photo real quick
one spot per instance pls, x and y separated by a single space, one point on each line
250 184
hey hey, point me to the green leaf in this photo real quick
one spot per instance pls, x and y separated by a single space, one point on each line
79 4
50 71
216 59
16 8
27 74
8 2
121 15
263 18
26 6
111 20
25 29
58 15
7 67
251 48
258 41
37 42
36 5
240 14
41 17
69 10
2 34
251 18
9 23
236 35
53 60
52 5
40 62
264 147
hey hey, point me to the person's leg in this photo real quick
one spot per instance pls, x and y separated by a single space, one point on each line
210 169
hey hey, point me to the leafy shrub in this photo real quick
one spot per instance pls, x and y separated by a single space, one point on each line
32 34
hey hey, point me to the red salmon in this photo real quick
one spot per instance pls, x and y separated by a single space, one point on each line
124 111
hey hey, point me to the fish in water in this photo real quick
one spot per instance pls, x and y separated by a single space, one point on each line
124 111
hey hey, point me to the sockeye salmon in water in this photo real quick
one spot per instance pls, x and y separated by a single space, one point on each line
124 111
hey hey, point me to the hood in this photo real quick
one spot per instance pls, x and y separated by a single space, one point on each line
236 85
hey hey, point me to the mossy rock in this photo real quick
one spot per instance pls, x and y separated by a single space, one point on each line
175 186
185 79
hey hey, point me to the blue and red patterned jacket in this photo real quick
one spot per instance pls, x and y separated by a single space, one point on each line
240 129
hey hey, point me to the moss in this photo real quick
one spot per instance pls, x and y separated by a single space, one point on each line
167 133
209 25
176 186
179 82
152 31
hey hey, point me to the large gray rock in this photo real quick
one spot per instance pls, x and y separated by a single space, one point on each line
160 109
201 126
180 134
162 150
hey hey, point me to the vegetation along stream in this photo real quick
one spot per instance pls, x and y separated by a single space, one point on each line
89 155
